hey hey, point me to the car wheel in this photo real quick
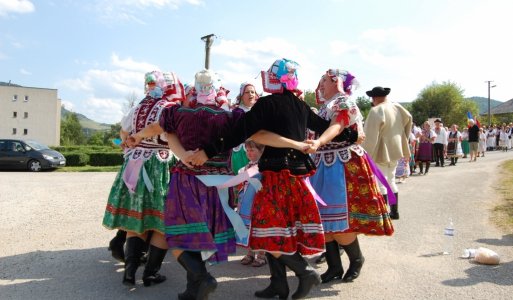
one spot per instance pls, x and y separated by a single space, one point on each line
34 166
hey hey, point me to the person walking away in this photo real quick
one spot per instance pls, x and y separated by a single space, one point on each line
387 129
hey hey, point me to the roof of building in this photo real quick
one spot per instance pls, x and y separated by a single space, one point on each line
9 84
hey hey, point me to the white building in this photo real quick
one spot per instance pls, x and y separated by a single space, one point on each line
30 113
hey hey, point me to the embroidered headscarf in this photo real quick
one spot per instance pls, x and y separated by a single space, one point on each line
205 89
346 82
164 85
282 74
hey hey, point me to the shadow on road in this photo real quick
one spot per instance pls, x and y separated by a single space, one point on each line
506 240
500 274
94 274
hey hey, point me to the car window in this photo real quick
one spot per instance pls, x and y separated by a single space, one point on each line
3 145
16 147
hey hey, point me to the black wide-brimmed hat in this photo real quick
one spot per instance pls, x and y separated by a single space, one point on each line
378 92
438 121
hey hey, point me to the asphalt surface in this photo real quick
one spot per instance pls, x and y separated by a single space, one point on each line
53 246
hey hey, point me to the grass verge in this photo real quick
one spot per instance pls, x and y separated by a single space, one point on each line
89 169
503 213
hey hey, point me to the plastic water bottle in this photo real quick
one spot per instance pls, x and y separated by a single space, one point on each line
448 238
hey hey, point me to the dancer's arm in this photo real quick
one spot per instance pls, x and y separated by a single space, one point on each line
272 139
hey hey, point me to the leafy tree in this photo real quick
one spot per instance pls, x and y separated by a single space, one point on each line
113 133
444 101
364 104
310 99
71 131
97 138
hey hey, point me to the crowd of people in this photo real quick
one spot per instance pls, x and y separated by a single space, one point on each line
446 145
299 182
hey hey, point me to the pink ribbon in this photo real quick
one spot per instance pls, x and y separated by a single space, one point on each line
314 193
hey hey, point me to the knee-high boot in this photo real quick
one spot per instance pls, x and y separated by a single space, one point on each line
427 167
134 248
117 244
394 208
308 278
279 286
335 269
421 168
199 282
155 258
356 261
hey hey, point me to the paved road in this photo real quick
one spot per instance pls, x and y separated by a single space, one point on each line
52 244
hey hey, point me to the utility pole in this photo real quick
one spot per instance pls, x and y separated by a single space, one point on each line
208 39
489 114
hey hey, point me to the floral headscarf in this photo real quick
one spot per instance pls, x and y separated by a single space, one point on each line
346 82
281 74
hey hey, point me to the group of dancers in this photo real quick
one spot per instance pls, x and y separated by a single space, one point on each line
314 195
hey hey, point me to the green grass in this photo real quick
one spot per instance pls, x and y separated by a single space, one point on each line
503 212
89 169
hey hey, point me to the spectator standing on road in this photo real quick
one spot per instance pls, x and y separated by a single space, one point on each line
464 142
473 139
454 150
387 129
481 147
440 144
425 148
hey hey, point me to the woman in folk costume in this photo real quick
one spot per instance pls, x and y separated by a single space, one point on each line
247 97
197 228
285 221
490 138
425 147
465 146
454 150
344 178
136 200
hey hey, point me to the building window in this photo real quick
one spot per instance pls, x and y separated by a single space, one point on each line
14 97
14 114
25 131
14 131
25 115
26 98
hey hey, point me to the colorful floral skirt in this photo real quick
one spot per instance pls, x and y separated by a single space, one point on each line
403 168
143 210
285 217
195 219
368 213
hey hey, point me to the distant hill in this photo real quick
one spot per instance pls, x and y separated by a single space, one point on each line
482 103
86 123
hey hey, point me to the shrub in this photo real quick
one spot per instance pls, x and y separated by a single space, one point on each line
106 159
76 158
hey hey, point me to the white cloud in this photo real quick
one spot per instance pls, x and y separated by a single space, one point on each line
67 104
106 90
25 72
15 6
131 10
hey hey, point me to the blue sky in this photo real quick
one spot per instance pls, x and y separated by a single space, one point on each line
96 52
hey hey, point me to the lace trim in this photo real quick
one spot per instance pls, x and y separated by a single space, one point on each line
328 157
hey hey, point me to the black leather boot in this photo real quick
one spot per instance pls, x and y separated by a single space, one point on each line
308 278
335 269
279 286
117 244
199 282
394 208
134 248
356 261
155 258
